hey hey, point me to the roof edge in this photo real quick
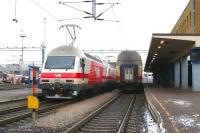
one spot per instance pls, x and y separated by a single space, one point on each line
169 34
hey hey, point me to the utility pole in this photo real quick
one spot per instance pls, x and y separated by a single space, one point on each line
44 43
22 35
94 9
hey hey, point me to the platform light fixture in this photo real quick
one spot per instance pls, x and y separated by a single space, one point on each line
155 54
162 42
159 47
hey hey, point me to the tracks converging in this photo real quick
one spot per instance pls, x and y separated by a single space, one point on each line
21 112
114 116
16 110
123 113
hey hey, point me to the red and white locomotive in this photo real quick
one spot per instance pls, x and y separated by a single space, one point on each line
69 71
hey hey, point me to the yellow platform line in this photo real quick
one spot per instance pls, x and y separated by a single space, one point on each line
167 113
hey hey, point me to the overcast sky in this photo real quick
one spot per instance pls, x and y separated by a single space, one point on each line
138 20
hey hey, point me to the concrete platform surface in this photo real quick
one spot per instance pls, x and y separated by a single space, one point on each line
179 109
7 95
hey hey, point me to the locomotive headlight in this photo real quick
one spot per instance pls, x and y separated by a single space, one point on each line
75 93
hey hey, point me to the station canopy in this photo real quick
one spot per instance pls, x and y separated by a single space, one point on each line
167 48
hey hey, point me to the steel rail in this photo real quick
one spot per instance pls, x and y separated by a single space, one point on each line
17 108
24 115
11 101
90 116
127 116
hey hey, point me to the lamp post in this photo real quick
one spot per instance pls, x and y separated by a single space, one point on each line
23 35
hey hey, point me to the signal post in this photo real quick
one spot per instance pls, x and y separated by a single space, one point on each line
33 101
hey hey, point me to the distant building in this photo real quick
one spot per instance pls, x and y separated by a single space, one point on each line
189 20
16 69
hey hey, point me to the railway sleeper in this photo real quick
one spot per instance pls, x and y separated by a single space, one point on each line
106 125
106 130
103 123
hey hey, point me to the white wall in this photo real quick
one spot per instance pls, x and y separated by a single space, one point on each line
177 74
184 73
196 76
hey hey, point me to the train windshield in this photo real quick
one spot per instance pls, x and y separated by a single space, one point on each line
60 62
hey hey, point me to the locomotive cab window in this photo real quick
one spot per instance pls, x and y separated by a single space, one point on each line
60 62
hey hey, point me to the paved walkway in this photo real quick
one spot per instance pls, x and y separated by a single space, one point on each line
16 94
179 109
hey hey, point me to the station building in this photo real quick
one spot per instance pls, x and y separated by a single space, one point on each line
174 58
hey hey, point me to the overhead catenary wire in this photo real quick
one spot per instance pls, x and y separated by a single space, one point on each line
85 1
118 24
45 10
93 14
75 18
105 10
64 3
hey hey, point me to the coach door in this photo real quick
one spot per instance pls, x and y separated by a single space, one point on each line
128 74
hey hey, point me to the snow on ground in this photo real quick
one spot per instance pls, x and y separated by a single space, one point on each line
187 121
178 102
152 126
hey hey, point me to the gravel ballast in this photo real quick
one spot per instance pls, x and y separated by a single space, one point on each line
72 113
64 117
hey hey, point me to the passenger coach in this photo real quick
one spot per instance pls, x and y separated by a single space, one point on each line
130 66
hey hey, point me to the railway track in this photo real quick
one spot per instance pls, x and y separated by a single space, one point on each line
21 112
11 87
135 123
11 104
113 116
123 113
15 103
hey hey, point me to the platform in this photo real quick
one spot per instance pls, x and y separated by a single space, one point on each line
7 95
178 109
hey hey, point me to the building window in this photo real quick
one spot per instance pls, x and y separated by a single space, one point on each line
190 19
187 23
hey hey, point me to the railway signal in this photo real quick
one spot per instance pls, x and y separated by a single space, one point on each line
33 101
